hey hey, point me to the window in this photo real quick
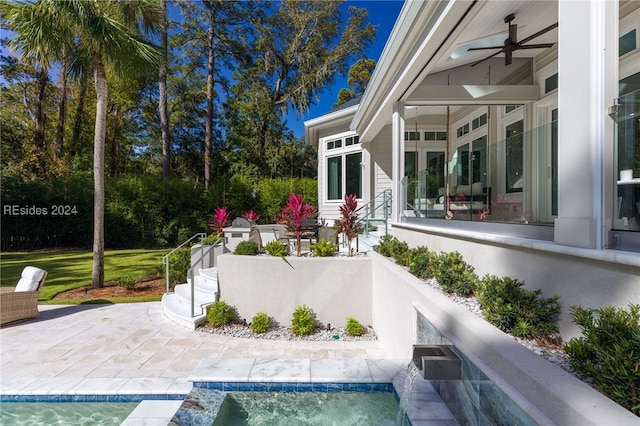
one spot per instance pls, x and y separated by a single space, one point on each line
463 130
551 83
334 178
479 122
411 136
435 136
344 168
510 108
334 144
351 140
514 147
627 43
353 176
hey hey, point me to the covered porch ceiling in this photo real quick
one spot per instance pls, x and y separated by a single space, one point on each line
440 70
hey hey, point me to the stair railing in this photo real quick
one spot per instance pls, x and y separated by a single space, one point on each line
165 258
382 200
190 272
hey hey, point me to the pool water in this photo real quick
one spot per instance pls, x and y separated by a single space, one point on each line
207 407
64 413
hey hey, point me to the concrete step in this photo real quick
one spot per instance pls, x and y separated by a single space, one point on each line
178 310
176 306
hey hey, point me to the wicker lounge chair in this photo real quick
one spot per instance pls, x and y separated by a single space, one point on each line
21 302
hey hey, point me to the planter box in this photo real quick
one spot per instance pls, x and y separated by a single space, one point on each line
334 288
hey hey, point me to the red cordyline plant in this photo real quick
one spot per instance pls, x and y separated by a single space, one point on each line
348 223
219 220
293 214
251 215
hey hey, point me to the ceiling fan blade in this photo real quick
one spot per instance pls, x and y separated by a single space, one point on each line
536 46
484 48
488 57
539 33
507 58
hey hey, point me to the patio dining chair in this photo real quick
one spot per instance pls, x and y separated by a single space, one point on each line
21 302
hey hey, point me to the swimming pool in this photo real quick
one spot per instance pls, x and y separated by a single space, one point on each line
287 406
18 410
65 413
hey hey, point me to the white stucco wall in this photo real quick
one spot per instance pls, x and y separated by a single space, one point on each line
333 288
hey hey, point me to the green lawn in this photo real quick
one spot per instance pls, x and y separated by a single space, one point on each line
72 269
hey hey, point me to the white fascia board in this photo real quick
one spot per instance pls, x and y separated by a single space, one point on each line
420 30
312 127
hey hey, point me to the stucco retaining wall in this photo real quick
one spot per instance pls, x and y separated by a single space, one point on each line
546 392
333 288
590 278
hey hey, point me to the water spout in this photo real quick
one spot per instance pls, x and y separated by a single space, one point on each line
437 362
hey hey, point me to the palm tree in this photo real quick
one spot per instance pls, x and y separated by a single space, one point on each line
112 34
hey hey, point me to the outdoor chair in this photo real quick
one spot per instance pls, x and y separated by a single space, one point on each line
21 302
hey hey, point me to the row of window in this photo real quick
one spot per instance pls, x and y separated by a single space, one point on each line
428 136
339 143
476 123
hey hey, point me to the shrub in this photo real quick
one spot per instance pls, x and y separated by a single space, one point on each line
303 321
128 281
454 274
419 262
390 246
324 248
276 248
220 314
219 220
293 214
354 328
210 240
179 264
246 248
347 224
608 352
260 323
251 216
516 310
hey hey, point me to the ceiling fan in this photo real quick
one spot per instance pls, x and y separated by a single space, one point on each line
511 44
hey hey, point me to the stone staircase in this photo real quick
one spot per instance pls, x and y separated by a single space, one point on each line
177 305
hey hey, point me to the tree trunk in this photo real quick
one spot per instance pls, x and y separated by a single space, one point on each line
40 115
58 143
77 121
163 109
97 276
208 136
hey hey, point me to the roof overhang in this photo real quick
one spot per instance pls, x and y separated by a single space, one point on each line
417 38
314 127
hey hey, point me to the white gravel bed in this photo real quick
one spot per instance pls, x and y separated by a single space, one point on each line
285 333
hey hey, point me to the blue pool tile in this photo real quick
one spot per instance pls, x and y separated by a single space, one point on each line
305 387
290 387
334 387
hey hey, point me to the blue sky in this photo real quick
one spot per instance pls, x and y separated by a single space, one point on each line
382 13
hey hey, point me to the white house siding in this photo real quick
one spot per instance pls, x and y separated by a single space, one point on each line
380 152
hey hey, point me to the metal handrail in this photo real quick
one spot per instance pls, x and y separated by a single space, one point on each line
190 277
386 201
165 258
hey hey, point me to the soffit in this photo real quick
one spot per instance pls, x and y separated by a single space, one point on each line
440 37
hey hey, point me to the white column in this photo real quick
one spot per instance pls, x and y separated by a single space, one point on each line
397 158
587 84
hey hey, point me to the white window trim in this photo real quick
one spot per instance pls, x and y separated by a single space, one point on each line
342 152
